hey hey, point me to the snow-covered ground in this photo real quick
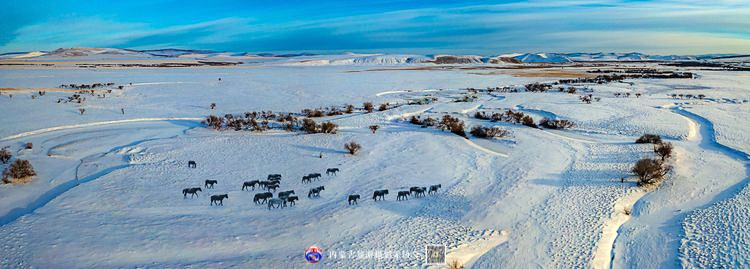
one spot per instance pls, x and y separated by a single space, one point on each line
108 190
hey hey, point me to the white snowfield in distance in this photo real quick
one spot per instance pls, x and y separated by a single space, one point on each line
111 169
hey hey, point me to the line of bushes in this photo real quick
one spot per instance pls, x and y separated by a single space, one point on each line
515 117
452 124
259 122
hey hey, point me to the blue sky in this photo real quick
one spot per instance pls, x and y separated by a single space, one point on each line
394 26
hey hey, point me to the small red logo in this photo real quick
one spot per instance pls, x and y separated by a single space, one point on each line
313 254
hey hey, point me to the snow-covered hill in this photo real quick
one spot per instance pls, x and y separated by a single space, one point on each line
359 59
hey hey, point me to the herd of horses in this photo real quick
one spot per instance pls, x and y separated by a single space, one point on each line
287 198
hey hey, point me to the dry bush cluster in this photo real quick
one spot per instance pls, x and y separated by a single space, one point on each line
650 171
20 171
648 138
5 155
510 116
309 126
488 132
556 124
383 106
86 86
425 100
452 124
626 94
538 87
427 122
588 98
687 96
263 121
352 147
663 150
368 106
374 128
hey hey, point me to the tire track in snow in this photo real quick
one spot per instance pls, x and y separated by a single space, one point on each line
483 149
92 124
60 189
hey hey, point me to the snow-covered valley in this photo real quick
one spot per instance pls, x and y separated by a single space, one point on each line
108 189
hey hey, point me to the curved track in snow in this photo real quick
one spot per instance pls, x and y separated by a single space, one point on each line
91 124
700 131
47 196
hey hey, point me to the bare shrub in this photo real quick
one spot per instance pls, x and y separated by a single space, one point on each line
334 112
352 147
19 171
538 87
328 128
649 171
556 124
214 122
349 109
488 132
649 138
383 107
415 120
312 113
374 128
528 121
664 150
452 124
368 106
309 126
81 110
5 155
29 145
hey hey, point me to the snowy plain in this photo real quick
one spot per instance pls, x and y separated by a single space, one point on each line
108 190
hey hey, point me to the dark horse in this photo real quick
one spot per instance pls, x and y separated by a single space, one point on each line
330 171
414 189
272 187
210 184
306 178
191 191
353 198
379 193
402 195
420 192
192 164
262 196
314 176
291 199
315 192
219 198
434 188
285 194
274 176
249 184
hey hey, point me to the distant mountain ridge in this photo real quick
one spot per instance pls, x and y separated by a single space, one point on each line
365 59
